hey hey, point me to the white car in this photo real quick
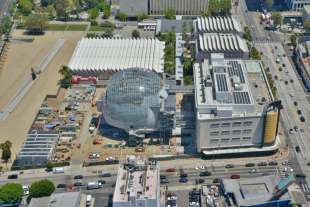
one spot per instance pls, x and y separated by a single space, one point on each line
26 190
202 167
197 168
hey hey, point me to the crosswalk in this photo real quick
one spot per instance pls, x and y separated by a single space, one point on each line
305 187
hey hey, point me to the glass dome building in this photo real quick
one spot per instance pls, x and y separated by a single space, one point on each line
133 100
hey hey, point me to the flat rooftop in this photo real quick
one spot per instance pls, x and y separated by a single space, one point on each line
101 54
138 179
251 191
230 85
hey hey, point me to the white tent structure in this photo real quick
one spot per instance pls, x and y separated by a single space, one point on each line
102 57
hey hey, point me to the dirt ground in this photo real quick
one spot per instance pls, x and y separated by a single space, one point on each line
20 58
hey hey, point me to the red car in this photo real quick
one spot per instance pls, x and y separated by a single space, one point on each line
235 177
171 170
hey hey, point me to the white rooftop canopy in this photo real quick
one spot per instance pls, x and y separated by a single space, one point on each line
93 54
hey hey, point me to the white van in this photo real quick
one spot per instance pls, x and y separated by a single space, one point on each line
88 200
57 170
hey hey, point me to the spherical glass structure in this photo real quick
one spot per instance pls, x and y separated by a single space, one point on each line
133 99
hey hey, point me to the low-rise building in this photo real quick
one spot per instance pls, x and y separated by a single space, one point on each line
235 111
219 35
66 199
102 57
303 58
37 149
258 191
297 5
137 184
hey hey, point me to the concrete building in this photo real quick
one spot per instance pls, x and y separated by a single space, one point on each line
218 24
133 7
37 149
137 184
258 191
181 7
306 13
234 108
303 58
219 35
103 57
297 5
66 199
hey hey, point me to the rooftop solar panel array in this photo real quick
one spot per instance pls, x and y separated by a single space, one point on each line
236 69
241 98
221 82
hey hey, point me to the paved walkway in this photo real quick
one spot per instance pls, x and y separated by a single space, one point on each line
28 82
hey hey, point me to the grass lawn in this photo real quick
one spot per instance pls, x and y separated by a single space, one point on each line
67 27
97 28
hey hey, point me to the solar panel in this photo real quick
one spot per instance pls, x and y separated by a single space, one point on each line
241 98
221 82
236 70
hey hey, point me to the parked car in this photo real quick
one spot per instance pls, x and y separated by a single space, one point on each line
300 175
183 180
164 181
104 175
297 148
249 164
76 184
78 177
61 185
171 170
262 164
206 173
273 163
235 176
26 190
199 181
217 180
229 166
102 182
163 177
13 176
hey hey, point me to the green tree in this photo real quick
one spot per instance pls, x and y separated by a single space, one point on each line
293 39
106 11
142 16
6 25
36 23
66 74
62 9
122 16
6 154
277 18
25 6
94 13
219 7
188 80
51 11
254 53
187 65
41 188
11 193
170 14
307 25
135 34
6 144
247 34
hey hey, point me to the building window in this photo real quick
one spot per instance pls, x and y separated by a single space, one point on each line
225 140
247 131
215 125
225 132
246 138
236 124
214 140
236 131
235 139
215 133
226 125
247 123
